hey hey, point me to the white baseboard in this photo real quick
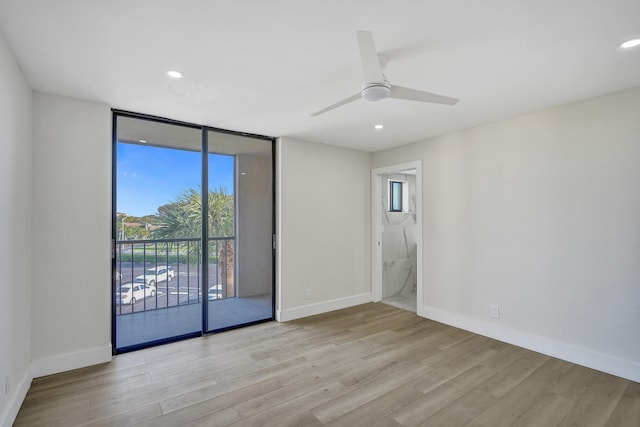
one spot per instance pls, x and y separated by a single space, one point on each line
15 400
322 307
602 362
69 361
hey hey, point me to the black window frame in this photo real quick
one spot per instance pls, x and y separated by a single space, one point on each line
395 187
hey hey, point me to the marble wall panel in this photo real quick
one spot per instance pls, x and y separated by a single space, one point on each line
399 248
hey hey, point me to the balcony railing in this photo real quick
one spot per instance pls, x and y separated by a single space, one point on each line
158 274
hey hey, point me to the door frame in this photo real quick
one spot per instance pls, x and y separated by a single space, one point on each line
115 113
377 188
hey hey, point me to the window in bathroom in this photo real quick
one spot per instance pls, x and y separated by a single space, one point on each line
396 196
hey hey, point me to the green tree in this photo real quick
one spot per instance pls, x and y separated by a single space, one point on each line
134 227
182 217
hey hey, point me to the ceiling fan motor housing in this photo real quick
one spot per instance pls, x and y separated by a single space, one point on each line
376 91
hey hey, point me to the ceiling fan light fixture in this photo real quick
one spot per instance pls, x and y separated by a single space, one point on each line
630 43
376 92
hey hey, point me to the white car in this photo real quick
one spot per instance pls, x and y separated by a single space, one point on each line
129 293
214 293
153 275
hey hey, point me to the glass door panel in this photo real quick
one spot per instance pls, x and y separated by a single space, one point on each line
158 251
240 288
172 252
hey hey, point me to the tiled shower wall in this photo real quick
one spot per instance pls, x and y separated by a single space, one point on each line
399 250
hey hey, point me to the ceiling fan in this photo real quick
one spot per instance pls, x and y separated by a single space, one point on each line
376 86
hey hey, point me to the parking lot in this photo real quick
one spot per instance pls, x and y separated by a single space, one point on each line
184 288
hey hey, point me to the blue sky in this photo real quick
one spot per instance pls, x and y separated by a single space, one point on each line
149 177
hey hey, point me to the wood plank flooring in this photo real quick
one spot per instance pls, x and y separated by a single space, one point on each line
371 365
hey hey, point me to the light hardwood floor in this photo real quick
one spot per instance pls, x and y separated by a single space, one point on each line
371 365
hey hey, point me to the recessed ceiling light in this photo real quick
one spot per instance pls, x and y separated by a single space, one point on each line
378 127
630 43
175 74
144 141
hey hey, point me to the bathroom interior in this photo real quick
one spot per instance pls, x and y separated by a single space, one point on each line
399 240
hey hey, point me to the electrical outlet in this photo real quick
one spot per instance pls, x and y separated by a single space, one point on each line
495 311
307 294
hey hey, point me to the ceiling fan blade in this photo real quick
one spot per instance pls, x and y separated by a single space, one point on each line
400 92
337 104
371 69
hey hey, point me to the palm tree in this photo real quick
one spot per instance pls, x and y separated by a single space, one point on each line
183 219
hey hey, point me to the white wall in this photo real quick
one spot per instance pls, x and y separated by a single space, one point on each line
15 234
540 215
70 304
323 218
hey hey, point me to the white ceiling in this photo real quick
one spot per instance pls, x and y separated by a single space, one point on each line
264 66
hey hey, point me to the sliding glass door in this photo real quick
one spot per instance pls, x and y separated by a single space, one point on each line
240 245
183 267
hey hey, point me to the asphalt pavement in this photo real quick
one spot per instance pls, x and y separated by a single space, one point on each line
184 288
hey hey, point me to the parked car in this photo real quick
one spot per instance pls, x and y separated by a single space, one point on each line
214 293
153 275
129 293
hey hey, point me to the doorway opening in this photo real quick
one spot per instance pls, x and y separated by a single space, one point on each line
397 235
